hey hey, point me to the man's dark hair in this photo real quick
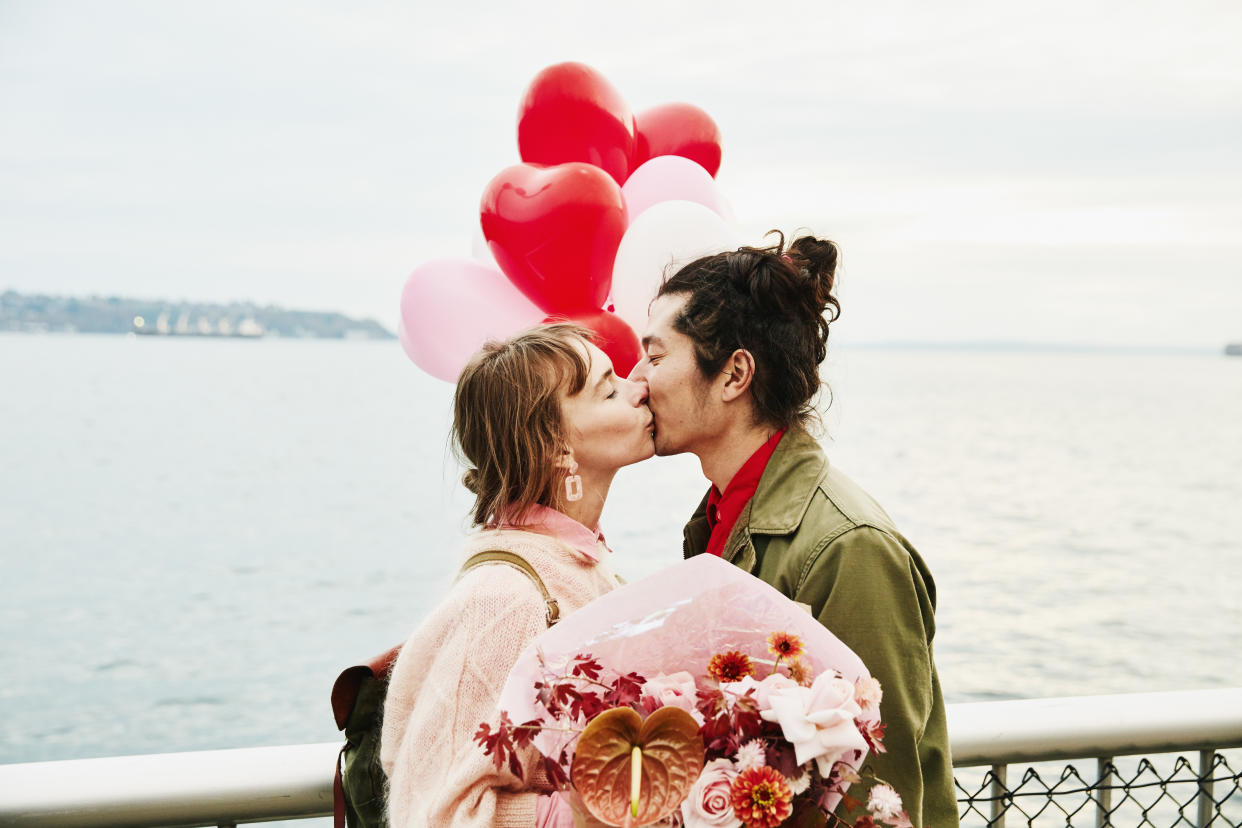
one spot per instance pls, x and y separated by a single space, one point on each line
775 302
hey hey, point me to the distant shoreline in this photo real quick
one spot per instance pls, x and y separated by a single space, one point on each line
45 314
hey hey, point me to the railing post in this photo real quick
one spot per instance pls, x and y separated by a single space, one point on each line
1205 788
1104 800
1000 789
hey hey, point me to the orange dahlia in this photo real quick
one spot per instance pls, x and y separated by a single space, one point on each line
730 666
784 645
761 797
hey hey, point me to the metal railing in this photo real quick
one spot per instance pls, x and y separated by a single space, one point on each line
1100 729
228 787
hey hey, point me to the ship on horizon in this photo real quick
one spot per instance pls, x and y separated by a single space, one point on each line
246 328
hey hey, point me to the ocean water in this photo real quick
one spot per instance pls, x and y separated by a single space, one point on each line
197 536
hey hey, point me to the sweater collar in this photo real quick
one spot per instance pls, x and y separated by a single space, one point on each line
586 542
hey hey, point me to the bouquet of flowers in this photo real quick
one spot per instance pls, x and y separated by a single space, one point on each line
698 697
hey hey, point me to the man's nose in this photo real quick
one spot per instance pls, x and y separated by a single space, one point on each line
638 373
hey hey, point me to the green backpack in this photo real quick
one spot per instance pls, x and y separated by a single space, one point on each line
358 703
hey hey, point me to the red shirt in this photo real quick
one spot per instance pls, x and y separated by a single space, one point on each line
724 509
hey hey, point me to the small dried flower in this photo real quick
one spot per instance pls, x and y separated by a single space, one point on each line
730 666
867 693
801 782
784 645
884 802
761 798
800 673
750 755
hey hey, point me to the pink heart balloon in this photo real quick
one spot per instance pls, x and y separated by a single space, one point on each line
450 307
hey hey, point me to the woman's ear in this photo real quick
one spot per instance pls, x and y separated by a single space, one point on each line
740 368
565 460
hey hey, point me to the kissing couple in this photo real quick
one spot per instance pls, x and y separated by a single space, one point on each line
730 373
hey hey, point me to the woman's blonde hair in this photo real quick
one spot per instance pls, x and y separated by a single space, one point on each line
507 424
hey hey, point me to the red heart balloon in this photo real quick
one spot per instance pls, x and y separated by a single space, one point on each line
554 231
678 129
615 337
570 112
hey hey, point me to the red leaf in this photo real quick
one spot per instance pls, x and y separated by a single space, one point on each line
586 666
515 766
625 690
555 772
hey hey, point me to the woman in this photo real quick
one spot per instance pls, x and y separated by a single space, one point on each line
544 424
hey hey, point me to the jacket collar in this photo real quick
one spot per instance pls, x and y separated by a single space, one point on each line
781 500
788 484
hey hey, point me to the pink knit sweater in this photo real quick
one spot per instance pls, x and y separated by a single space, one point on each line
449 675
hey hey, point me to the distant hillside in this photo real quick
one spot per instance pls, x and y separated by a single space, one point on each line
34 313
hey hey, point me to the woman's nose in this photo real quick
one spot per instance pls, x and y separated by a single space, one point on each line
638 390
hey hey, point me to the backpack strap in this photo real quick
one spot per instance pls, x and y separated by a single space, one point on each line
520 563
349 683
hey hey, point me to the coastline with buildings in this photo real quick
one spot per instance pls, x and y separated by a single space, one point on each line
38 313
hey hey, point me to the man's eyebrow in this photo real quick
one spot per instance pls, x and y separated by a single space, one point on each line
650 340
606 376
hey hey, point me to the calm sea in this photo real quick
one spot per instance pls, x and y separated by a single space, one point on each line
198 535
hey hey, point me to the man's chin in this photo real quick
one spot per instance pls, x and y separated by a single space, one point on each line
663 448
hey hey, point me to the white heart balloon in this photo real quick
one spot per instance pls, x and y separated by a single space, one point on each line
665 237
670 178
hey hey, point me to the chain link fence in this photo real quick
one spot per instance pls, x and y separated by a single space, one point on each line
1167 791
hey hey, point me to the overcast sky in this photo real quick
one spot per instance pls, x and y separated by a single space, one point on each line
1060 172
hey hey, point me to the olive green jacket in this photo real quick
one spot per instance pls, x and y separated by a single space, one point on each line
816 536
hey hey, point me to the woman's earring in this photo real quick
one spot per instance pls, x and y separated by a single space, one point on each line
573 483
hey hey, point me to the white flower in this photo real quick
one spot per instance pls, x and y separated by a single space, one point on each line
750 755
817 720
707 804
884 802
763 690
868 694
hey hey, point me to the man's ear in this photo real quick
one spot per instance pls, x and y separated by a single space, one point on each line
740 368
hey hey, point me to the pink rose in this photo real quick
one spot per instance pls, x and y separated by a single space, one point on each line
818 720
707 804
675 690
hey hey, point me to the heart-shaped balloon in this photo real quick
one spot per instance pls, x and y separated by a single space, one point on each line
450 307
570 112
615 338
554 231
677 129
669 754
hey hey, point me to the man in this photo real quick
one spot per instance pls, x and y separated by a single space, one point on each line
732 352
